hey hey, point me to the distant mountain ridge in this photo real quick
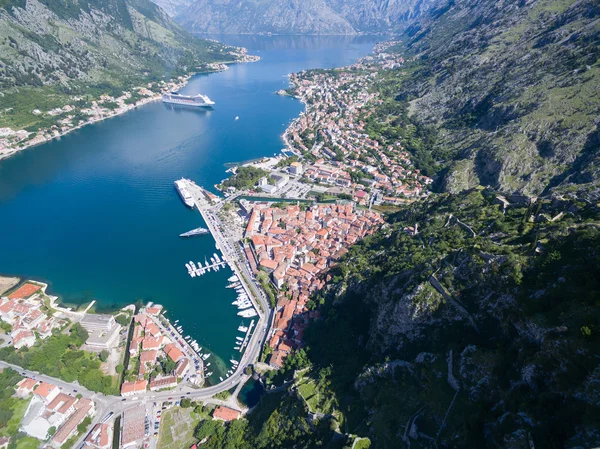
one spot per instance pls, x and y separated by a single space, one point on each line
334 17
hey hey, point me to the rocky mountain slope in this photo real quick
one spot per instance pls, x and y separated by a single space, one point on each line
51 50
294 16
511 88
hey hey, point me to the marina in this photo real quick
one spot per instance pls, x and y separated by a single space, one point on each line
198 270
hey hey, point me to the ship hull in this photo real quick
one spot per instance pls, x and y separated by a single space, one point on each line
188 104
184 194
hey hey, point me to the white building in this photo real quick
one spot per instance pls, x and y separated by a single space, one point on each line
296 168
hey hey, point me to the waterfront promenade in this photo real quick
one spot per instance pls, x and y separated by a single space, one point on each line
236 260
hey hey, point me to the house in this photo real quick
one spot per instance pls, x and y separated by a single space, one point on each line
133 388
276 359
151 343
225 413
100 437
61 407
4 442
173 352
23 338
83 407
181 367
148 356
296 168
163 382
25 387
153 311
46 392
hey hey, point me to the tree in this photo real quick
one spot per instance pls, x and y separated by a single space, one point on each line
167 364
119 368
185 403
208 428
79 332
123 319
103 355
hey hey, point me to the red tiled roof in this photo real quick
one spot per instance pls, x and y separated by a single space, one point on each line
225 413
25 291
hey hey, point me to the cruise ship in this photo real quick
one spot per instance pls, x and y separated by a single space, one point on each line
183 193
197 101
193 232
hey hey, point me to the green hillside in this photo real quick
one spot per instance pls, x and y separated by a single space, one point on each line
54 50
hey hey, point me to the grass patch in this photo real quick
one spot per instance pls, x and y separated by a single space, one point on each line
18 408
177 428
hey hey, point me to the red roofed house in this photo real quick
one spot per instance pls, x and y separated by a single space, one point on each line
268 264
148 356
131 388
150 343
83 407
46 392
226 413
173 352
276 359
181 367
23 338
164 382
26 386
153 310
100 437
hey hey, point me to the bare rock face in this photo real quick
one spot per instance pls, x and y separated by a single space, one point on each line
333 17
513 91
66 42
282 17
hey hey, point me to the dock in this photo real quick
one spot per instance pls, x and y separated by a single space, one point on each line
247 337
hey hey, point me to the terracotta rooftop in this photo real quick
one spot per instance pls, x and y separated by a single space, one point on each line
226 413
24 291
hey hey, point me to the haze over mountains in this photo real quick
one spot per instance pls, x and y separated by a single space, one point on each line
295 16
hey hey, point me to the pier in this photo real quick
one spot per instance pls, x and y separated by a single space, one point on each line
194 271
208 205
247 337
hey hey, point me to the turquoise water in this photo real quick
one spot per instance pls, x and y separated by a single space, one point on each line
95 214
251 393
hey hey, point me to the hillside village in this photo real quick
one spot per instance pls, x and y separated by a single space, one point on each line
331 134
82 112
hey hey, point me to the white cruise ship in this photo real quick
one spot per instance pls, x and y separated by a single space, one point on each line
197 101
183 192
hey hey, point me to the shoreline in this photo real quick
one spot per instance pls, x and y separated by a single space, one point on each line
142 102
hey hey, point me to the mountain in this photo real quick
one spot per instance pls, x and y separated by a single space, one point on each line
260 16
510 89
52 50
294 16
470 331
